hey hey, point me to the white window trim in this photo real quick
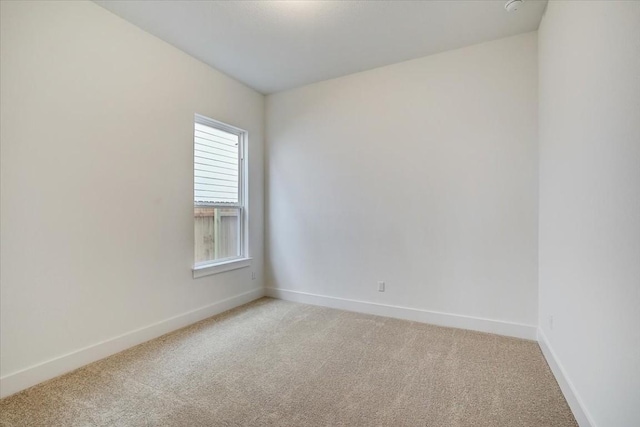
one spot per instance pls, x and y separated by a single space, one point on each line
220 267
244 260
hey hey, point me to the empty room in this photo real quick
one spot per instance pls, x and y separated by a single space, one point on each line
320 213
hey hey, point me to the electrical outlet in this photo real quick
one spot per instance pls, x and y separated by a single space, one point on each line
551 323
253 275
380 286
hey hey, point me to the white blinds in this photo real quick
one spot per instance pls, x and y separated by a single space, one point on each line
216 166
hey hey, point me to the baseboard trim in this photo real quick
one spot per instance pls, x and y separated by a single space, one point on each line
580 412
498 327
25 378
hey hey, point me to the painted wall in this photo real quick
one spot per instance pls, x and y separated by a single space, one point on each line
422 174
97 179
590 202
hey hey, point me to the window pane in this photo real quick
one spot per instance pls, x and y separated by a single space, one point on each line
216 182
216 166
217 232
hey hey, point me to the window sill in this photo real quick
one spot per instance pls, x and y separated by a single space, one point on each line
220 267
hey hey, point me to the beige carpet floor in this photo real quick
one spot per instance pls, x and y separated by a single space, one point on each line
277 363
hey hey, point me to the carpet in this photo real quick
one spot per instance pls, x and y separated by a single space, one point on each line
278 363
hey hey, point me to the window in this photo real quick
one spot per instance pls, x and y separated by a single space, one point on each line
218 198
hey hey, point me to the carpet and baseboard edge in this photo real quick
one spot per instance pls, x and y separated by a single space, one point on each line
515 330
17 381
580 413
498 327
25 378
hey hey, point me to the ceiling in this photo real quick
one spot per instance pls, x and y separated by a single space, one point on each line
277 45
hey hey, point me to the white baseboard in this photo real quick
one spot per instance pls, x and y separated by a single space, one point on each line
573 399
17 381
424 316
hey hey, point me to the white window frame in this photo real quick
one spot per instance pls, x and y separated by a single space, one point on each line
243 260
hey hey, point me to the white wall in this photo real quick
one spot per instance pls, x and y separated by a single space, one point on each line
590 202
422 174
97 184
